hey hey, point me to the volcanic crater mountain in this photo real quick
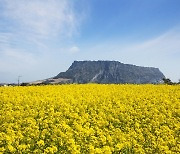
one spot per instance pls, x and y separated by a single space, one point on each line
107 72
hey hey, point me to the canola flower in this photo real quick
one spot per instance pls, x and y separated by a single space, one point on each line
90 118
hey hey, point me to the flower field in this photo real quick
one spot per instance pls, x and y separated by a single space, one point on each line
90 118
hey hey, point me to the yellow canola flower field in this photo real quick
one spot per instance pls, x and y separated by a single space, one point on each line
90 118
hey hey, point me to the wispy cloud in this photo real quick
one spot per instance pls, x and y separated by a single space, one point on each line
16 59
43 18
28 30
37 21
162 51
5 38
165 44
19 55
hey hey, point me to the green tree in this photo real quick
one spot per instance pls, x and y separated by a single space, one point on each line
167 81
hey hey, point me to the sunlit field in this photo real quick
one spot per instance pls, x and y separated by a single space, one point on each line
90 118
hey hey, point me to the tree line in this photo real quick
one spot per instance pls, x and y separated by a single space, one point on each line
169 82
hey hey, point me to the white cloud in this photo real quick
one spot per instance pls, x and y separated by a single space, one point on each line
15 59
36 23
5 38
74 49
167 43
19 55
30 31
43 18
162 51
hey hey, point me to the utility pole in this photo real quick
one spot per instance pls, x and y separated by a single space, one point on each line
19 80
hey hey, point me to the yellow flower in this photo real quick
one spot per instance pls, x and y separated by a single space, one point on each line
120 146
40 143
11 148
90 118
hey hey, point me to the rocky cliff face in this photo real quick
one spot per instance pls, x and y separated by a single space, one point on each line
109 72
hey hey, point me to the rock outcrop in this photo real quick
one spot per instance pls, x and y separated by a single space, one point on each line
109 72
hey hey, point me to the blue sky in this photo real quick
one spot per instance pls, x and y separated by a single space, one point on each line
40 38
